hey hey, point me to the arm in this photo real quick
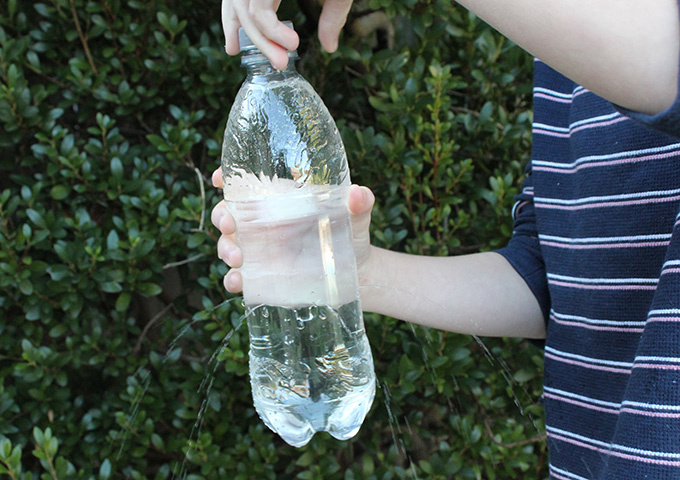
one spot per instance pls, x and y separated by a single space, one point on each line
479 294
626 51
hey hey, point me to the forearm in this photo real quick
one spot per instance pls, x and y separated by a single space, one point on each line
478 294
626 51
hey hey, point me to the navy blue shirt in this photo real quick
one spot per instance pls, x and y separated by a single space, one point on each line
597 239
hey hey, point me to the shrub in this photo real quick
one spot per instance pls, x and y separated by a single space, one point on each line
121 356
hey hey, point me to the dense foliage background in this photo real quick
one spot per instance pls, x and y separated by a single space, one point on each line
121 356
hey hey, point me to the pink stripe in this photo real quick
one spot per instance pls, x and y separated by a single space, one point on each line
598 328
599 124
626 456
607 204
602 287
550 97
558 477
670 270
656 366
591 164
606 245
551 133
587 365
650 414
613 411
663 319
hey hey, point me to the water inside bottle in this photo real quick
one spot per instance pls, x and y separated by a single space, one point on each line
311 370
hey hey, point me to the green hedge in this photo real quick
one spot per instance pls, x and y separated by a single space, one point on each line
121 355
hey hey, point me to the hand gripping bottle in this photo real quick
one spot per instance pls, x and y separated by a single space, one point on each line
286 183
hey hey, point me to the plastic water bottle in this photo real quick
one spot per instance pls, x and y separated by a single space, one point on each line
286 183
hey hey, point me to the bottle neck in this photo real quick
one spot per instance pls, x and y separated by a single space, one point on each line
257 64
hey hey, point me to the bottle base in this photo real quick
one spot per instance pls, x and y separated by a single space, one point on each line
297 422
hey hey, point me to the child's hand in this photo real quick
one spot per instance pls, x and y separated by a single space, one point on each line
258 19
360 204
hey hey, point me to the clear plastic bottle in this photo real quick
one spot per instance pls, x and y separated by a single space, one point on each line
286 182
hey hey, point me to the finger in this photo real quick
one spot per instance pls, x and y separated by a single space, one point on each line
228 251
360 204
230 26
217 213
267 25
263 13
333 17
233 282
222 219
361 200
217 178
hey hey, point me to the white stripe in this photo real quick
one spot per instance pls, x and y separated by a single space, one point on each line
601 118
666 311
550 127
604 198
613 156
629 238
671 263
582 398
651 406
565 473
593 321
553 93
625 403
583 358
572 126
623 448
605 281
657 359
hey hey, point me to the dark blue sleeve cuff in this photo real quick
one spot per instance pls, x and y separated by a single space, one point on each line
524 254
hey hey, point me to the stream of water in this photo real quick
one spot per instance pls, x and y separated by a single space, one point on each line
140 381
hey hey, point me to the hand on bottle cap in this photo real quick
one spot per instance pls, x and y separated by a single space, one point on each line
259 21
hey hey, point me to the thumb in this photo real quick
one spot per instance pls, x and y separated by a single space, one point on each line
360 204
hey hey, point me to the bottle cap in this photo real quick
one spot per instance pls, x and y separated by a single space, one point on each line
245 43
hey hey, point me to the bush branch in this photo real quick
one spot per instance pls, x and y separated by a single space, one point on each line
83 40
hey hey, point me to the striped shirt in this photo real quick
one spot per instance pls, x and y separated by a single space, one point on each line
597 238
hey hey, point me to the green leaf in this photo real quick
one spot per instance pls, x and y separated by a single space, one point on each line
149 289
26 287
164 20
116 168
36 218
105 470
112 240
123 301
59 192
111 287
